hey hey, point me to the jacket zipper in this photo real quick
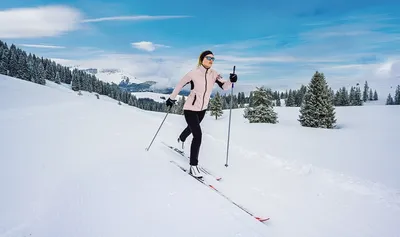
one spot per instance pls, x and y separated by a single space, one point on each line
205 88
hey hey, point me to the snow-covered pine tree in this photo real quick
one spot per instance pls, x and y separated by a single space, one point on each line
337 101
216 106
3 59
317 109
75 83
261 109
250 102
290 101
357 98
179 105
365 93
352 96
371 95
278 102
389 100
375 95
58 78
41 74
344 97
397 96
13 62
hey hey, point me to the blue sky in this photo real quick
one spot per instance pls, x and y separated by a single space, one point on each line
279 43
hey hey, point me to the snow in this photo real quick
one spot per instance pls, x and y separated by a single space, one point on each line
107 70
116 76
154 96
75 165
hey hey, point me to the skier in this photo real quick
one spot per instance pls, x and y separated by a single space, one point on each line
202 80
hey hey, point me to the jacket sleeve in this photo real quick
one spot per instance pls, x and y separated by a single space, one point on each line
223 84
185 80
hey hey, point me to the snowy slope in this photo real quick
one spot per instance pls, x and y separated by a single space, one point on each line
76 166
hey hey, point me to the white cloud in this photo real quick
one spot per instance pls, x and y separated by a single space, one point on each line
42 46
132 18
148 46
37 22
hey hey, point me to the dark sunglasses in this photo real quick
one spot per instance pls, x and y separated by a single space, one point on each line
210 58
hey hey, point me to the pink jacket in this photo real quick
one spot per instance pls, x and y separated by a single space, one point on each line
202 81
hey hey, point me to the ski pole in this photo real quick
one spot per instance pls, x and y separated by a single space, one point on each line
230 116
147 149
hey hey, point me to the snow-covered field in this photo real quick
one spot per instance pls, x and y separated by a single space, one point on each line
76 166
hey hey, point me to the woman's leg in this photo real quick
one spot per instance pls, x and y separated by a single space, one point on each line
186 132
193 120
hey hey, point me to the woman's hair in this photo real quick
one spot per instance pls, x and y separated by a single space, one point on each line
202 55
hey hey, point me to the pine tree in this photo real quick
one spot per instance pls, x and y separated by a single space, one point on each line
371 95
344 97
41 74
290 101
278 102
13 62
375 95
337 100
389 100
179 105
357 97
261 109
216 106
352 96
250 103
317 109
58 79
75 83
300 95
331 95
3 59
365 94
397 96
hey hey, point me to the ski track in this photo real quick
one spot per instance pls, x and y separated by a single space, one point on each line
389 197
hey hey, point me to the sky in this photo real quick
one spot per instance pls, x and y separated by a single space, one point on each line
277 44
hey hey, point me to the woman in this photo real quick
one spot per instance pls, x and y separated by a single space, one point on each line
201 80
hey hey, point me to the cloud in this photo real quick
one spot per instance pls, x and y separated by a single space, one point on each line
348 50
42 46
148 46
38 22
133 18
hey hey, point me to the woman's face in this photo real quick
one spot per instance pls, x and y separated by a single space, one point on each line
208 60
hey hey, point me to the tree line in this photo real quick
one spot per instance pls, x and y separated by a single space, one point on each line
396 100
317 102
19 64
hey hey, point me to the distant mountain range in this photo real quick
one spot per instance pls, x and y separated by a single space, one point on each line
147 86
129 82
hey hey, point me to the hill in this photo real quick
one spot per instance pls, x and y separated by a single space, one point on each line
75 165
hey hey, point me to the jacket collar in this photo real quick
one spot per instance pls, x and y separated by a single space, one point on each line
203 69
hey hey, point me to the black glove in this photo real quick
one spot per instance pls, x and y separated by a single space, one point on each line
170 102
233 77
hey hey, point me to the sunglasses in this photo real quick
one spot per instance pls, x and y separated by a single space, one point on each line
210 58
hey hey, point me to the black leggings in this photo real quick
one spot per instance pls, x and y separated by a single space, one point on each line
193 119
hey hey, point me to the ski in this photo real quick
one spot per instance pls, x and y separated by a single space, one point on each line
182 153
203 181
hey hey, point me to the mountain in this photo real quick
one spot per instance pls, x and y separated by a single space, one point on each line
127 81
